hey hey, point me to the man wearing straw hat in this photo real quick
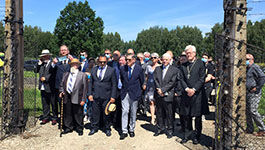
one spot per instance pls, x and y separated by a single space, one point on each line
73 89
46 86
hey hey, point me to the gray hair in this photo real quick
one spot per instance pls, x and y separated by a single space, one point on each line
154 55
193 48
146 53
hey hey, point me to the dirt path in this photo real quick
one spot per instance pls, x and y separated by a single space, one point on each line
47 137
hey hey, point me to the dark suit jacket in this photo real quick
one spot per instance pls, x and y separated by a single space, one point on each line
60 70
49 73
85 66
133 86
193 105
79 92
167 84
117 68
105 88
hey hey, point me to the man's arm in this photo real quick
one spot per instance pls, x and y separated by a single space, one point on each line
114 84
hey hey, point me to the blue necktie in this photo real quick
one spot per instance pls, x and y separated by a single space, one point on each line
100 73
130 73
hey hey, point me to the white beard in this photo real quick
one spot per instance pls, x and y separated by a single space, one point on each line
73 70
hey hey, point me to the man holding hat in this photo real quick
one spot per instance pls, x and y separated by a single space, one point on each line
102 91
46 86
73 89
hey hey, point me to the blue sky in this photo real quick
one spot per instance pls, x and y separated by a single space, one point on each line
129 17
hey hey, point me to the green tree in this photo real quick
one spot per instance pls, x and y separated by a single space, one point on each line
79 29
208 40
112 41
36 40
128 45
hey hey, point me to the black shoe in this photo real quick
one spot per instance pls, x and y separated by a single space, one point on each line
123 136
184 141
169 135
132 134
196 141
67 131
108 133
158 132
80 133
178 124
93 131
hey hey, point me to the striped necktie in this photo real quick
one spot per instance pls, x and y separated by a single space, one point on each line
70 83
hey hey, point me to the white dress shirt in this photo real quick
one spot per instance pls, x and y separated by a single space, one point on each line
73 74
103 72
165 71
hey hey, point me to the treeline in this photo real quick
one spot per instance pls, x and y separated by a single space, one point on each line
80 29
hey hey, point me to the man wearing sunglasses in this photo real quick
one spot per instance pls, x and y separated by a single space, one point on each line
102 89
132 78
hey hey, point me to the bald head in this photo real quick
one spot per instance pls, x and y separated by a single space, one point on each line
130 51
170 53
250 58
116 55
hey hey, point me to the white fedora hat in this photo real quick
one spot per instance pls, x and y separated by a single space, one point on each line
45 52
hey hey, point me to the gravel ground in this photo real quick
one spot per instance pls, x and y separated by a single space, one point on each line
47 137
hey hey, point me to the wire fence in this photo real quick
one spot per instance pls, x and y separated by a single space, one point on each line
237 122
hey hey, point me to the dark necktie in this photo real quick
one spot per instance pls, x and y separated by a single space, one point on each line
130 73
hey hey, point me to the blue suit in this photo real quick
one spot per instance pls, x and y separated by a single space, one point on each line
133 86
131 92
85 66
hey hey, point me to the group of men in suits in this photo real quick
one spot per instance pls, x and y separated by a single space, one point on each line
111 82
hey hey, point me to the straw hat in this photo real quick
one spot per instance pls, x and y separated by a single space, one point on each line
110 107
75 61
45 52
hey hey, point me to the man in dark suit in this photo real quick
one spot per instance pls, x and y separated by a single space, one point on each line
102 89
166 77
132 78
116 116
74 89
46 86
61 65
191 104
84 61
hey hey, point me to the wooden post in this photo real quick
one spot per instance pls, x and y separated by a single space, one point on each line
238 71
13 68
234 99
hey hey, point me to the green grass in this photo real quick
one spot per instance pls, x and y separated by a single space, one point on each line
30 74
27 74
29 102
262 103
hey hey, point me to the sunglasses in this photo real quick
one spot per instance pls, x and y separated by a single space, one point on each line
153 57
248 59
107 53
128 59
102 62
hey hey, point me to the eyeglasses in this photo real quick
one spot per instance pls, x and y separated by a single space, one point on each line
128 59
107 53
153 57
102 62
